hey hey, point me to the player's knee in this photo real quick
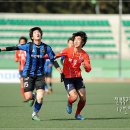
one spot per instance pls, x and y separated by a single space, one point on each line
39 97
74 97
28 97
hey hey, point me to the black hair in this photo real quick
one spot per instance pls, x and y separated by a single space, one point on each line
22 37
70 38
32 30
82 35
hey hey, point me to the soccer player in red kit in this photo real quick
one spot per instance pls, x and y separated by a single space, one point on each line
74 58
20 56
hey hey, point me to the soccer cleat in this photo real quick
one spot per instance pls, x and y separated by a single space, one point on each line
79 117
35 117
69 108
31 102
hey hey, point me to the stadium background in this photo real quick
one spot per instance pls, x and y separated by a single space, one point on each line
108 31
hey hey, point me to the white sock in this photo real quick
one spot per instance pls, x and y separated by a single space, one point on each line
34 113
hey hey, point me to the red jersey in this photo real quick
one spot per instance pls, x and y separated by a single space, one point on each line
73 61
20 56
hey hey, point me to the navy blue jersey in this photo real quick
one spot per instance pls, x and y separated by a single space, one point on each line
34 65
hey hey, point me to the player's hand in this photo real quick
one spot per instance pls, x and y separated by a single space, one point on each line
2 49
84 65
62 76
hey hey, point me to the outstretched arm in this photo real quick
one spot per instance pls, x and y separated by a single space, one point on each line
56 56
12 48
63 53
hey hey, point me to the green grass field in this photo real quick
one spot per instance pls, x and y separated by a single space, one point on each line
100 111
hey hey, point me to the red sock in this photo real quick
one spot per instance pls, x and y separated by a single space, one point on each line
22 91
80 106
70 100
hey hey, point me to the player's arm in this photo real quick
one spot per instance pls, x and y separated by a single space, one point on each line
62 59
13 48
86 63
56 65
62 54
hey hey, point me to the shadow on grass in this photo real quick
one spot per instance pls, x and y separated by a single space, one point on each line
60 119
108 118
98 118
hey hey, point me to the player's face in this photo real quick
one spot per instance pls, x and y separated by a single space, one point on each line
22 41
36 35
70 43
78 42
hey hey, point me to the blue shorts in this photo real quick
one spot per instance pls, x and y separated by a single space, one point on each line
73 83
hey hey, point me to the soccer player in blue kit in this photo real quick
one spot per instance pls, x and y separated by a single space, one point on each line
33 72
48 76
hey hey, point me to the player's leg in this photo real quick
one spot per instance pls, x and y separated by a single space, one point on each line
72 94
81 103
80 87
28 95
49 82
28 90
38 104
46 86
72 97
40 88
21 85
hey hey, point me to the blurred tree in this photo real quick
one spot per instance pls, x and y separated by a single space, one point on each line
63 6
126 7
96 6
